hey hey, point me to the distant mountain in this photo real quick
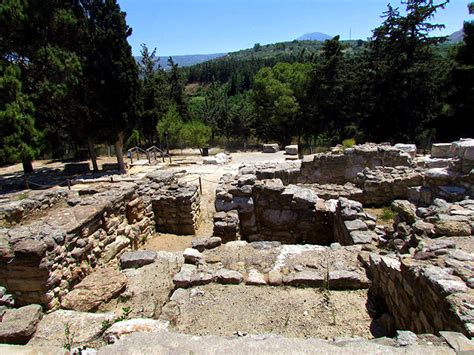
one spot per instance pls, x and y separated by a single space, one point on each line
457 36
186 60
314 36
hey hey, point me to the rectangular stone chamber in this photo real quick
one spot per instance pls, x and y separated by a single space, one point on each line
44 255
177 209
266 210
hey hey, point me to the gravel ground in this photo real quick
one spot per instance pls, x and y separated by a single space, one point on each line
296 312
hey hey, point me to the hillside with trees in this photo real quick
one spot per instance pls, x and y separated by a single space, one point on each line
68 81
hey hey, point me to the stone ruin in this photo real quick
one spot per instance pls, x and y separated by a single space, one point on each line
50 241
420 270
295 236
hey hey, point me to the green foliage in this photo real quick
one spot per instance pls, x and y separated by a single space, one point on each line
19 137
106 324
387 214
195 134
348 143
277 96
172 124
133 140
22 196
69 337
404 75
154 94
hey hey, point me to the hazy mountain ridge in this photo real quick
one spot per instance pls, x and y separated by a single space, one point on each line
185 60
311 41
314 36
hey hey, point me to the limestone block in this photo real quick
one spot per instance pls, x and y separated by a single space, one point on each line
271 148
304 278
226 276
137 259
192 256
97 288
85 326
18 325
137 325
441 150
410 149
291 149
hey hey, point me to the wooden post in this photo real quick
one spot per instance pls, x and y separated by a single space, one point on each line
200 185
69 184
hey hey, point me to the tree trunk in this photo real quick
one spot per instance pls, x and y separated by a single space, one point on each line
93 156
119 153
27 166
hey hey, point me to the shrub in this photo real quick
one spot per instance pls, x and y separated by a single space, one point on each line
348 143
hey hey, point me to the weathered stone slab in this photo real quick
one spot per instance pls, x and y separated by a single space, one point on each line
441 150
137 259
86 327
270 148
207 243
192 256
410 149
225 276
305 278
459 342
343 279
97 288
17 326
137 325
291 149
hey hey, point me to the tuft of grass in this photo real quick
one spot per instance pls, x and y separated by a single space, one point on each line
106 324
22 196
348 143
387 214
69 337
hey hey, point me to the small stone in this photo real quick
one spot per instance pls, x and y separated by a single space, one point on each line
137 259
255 278
275 278
192 256
406 338
355 225
363 237
405 209
226 276
271 148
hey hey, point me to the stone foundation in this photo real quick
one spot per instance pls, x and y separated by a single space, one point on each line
41 260
176 209
421 297
19 206
342 165
267 210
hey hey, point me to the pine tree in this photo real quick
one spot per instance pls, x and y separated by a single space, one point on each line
404 74
19 138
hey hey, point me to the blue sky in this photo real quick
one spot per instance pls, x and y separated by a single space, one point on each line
177 27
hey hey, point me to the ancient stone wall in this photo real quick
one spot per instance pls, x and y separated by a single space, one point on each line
422 297
342 165
19 206
41 260
176 209
270 211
